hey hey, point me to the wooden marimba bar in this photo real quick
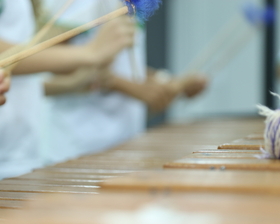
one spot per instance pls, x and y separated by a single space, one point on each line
223 180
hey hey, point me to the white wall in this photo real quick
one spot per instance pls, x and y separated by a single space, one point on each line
236 88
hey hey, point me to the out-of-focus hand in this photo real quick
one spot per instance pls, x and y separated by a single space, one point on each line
156 95
194 85
111 38
153 92
191 85
4 86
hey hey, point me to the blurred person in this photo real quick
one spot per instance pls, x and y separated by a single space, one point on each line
24 111
83 121
17 26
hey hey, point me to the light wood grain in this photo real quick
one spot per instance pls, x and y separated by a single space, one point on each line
224 155
218 208
229 164
198 180
225 194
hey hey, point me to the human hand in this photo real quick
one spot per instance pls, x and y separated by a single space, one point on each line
4 86
191 85
156 95
111 38
194 85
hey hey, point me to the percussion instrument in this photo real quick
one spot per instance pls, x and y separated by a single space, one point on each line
134 179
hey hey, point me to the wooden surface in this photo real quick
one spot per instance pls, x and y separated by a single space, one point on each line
251 142
224 155
230 151
143 208
198 180
240 154
255 136
218 193
222 163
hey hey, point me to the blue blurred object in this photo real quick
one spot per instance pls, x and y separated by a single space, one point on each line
258 15
270 15
144 8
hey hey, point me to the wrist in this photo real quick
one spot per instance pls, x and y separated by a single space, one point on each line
85 56
94 57
107 80
124 86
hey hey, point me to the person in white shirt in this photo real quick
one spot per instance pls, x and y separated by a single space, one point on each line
23 113
82 122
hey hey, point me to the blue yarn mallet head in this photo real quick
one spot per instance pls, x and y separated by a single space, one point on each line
259 16
142 8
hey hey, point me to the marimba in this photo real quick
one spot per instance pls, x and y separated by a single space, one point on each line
186 169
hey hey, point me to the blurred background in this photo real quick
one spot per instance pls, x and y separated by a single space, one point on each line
183 28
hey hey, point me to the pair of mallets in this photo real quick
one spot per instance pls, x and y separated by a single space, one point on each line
142 8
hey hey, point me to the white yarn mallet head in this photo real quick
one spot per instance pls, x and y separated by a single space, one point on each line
272 131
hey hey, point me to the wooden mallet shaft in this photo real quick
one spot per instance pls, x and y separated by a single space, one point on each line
37 38
63 37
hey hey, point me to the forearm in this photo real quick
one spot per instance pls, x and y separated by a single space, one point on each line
58 59
126 87
59 85
75 82
156 96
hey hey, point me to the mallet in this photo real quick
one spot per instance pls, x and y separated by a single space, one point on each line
141 8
